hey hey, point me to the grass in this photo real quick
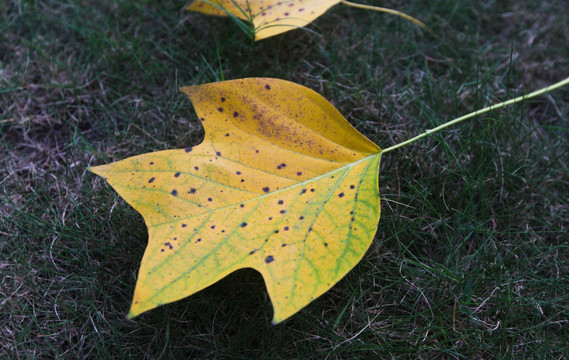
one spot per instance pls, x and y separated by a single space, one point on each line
471 259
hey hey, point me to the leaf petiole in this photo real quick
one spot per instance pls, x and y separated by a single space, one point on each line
479 112
385 10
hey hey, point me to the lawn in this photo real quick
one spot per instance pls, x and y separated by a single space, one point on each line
471 257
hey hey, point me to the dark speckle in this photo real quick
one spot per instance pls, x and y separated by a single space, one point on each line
267 87
212 227
152 163
282 211
161 250
151 180
227 134
218 153
177 174
169 245
252 252
311 190
175 192
276 231
198 240
222 99
184 225
209 199
283 245
192 191
270 218
243 224
352 187
286 228
281 202
220 109
188 149
235 114
242 205
266 189
270 258
301 217
196 168
303 191
326 244
341 194
238 172
299 173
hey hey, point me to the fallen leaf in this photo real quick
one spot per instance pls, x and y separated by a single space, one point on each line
281 183
273 17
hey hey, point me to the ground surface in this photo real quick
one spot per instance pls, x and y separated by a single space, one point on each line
471 259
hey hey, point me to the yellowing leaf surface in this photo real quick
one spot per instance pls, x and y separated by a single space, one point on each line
269 17
281 183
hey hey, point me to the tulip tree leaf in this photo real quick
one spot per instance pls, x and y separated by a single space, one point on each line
281 183
273 17
269 17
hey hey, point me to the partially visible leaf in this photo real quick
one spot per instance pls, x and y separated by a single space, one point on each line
282 183
269 17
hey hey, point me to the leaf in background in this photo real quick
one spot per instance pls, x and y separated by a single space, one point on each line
282 183
269 17
273 17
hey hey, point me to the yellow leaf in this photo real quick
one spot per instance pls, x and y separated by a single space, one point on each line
273 17
269 17
282 183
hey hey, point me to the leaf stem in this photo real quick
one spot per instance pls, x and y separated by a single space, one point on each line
385 10
479 112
